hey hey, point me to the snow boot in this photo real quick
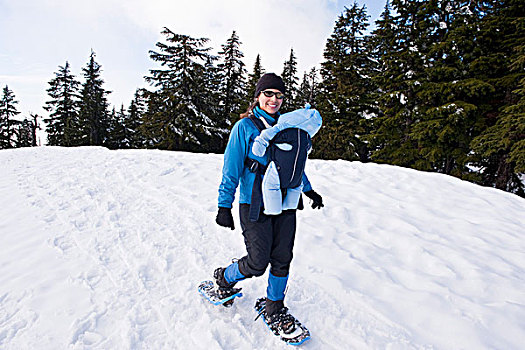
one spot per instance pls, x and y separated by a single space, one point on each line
224 289
272 307
281 322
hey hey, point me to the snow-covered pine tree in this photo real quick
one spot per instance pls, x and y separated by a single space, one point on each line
309 88
397 48
506 140
500 149
389 132
133 121
179 116
8 124
117 135
291 82
124 136
448 117
232 77
92 125
215 108
24 132
36 126
253 77
443 77
345 97
153 127
451 96
62 107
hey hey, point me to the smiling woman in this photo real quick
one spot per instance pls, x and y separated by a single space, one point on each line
270 100
269 95
269 238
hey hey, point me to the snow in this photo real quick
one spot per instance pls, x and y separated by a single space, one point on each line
368 115
104 250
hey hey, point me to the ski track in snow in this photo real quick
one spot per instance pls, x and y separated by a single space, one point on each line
104 250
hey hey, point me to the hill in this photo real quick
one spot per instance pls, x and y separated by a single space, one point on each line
104 249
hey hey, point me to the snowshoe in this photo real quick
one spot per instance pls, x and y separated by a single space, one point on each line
283 324
211 292
220 291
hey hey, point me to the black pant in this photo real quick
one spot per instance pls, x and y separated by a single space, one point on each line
269 240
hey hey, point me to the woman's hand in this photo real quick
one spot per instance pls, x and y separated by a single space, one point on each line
225 218
317 200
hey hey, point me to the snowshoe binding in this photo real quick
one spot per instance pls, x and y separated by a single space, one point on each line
219 292
283 324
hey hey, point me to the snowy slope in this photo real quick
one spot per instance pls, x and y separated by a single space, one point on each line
104 249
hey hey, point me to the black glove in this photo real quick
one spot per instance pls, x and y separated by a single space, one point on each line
316 198
225 218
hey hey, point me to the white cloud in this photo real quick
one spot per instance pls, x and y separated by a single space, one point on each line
39 35
270 27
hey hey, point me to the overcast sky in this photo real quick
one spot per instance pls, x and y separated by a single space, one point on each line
37 36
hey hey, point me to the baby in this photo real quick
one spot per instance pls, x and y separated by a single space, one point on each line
306 119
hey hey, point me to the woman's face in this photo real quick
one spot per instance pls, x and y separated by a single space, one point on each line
270 104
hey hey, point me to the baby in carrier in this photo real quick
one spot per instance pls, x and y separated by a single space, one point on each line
289 143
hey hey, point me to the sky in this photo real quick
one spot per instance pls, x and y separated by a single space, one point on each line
38 36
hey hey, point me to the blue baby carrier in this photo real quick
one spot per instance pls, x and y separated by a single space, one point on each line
290 162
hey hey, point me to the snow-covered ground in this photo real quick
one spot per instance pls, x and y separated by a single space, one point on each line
104 249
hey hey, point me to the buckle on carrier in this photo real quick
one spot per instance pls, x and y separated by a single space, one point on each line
253 165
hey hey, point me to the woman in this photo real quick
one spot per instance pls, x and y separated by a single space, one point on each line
269 240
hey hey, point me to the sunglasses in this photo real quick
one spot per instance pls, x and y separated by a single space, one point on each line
278 95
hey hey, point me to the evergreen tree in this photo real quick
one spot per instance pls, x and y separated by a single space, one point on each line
93 107
442 78
25 134
345 97
133 121
8 124
395 45
513 119
500 42
63 107
117 134
154 128
232 74
388 138
179 116
506 140
36 126
291 82
309 88
450 99
214 83
425 120
253 78
123 131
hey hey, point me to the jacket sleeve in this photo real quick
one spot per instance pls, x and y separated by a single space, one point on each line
234 156
307 186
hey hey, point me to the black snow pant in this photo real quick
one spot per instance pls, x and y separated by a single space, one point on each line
269 240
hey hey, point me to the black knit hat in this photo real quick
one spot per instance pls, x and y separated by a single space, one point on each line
269 81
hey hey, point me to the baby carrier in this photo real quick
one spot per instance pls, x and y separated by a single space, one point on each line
289 151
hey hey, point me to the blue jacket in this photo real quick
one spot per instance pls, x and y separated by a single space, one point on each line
238 149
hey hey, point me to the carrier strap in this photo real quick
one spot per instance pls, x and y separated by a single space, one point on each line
259 123
259 169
